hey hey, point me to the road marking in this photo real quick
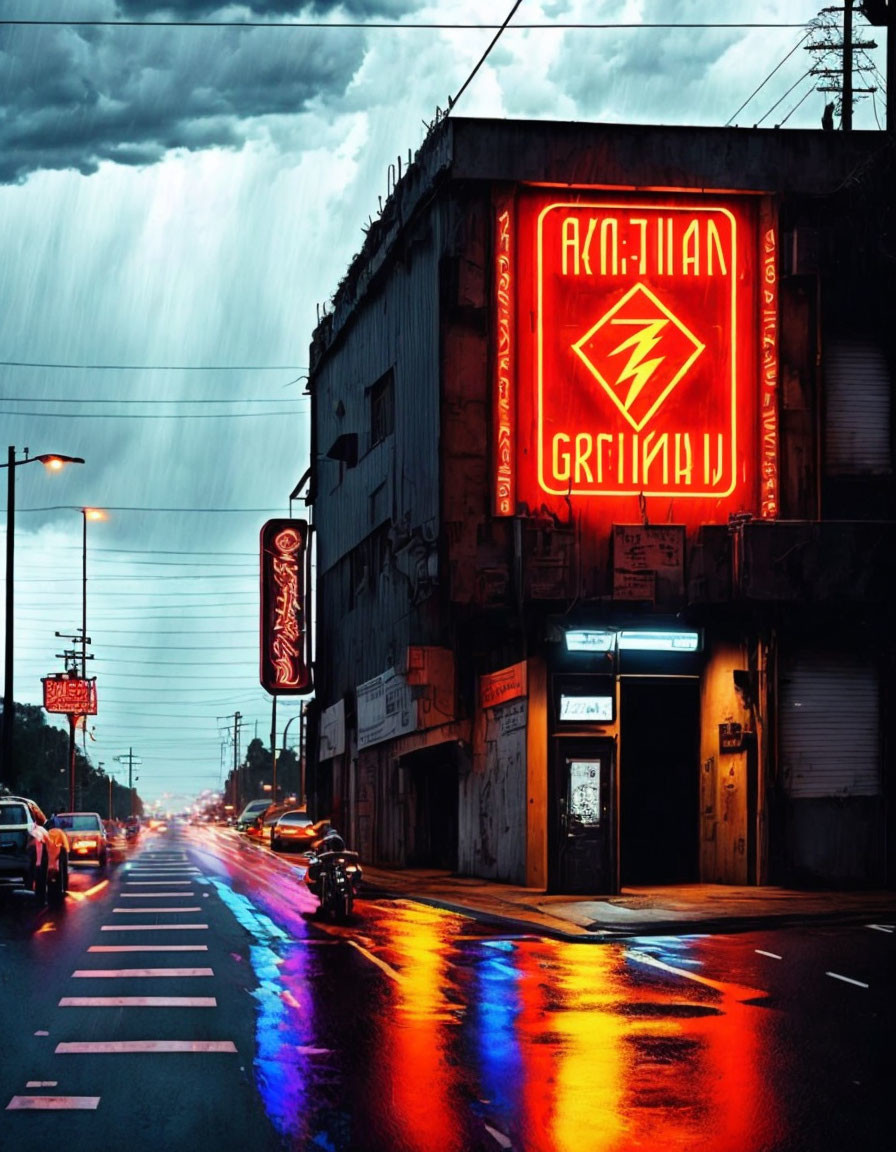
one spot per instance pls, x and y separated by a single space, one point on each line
148 948
739 991
91 1047
390 972
41 1083
109 973
51 1103
150 927
500 1139
155 895
773 955
848 980
881 927
147 911
138 1002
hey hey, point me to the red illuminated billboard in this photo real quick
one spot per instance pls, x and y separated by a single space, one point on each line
285 668
70 694
634 360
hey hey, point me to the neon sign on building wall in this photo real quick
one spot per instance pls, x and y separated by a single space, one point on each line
284 634
635 353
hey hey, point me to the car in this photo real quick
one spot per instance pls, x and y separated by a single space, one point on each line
33 854
260 828
86 836
296 831
116 839
247 817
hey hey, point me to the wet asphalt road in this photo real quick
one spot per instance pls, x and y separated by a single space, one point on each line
417 1030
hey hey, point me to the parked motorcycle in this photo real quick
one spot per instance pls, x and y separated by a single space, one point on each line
334 875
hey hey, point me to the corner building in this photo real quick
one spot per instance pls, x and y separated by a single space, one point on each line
603 500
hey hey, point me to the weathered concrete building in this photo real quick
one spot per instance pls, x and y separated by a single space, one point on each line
602 490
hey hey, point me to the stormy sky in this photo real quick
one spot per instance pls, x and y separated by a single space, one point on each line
181 189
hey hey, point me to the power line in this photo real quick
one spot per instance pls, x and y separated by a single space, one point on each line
142 415
482 58
152 367
382 25
119 400
805 36
134 508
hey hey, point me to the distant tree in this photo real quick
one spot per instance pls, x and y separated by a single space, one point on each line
41 755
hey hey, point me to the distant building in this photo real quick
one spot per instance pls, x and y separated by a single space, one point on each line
603 498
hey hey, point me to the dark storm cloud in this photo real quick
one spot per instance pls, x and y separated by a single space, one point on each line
268 9
74 96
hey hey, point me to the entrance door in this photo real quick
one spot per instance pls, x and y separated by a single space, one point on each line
584 783
659 780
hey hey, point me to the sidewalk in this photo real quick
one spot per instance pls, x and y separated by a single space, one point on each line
636 911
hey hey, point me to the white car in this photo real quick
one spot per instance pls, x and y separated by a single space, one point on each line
31 855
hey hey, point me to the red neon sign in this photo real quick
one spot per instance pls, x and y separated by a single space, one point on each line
505 496
70 694
284 636
635 353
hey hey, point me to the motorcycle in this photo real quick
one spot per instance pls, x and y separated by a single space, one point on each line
334 875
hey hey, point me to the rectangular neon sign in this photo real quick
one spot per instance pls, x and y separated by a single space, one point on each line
73 695
634 351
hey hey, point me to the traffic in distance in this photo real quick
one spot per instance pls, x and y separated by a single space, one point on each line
36 852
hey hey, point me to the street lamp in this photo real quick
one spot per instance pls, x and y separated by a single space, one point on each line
54 462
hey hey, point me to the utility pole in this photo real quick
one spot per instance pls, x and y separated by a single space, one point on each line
840 80
130 760
274 748
237 716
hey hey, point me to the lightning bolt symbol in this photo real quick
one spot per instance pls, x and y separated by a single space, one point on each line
641 343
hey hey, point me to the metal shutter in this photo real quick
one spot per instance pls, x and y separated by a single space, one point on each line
857 408
829 726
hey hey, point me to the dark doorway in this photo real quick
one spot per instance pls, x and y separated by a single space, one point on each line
432 841
659 777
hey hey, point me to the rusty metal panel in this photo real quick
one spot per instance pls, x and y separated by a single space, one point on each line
492 799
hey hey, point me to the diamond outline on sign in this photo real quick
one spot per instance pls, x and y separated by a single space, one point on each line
607 387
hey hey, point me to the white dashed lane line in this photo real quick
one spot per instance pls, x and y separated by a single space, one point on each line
138 1002
153 927
847 980
148 948
52 1103
137 973
120 1047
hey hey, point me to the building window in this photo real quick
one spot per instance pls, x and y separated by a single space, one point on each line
382 408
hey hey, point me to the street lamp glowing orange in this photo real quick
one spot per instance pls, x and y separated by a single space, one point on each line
55 462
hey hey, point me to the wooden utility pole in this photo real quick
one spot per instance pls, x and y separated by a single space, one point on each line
846 112
840 80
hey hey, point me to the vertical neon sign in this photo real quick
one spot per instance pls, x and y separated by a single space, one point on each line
284 664
768 395
504 489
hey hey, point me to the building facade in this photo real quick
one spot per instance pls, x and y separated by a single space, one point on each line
602 495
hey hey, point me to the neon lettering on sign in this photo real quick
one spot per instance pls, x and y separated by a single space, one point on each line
70 694
505 497
768 395
634 350
284 666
